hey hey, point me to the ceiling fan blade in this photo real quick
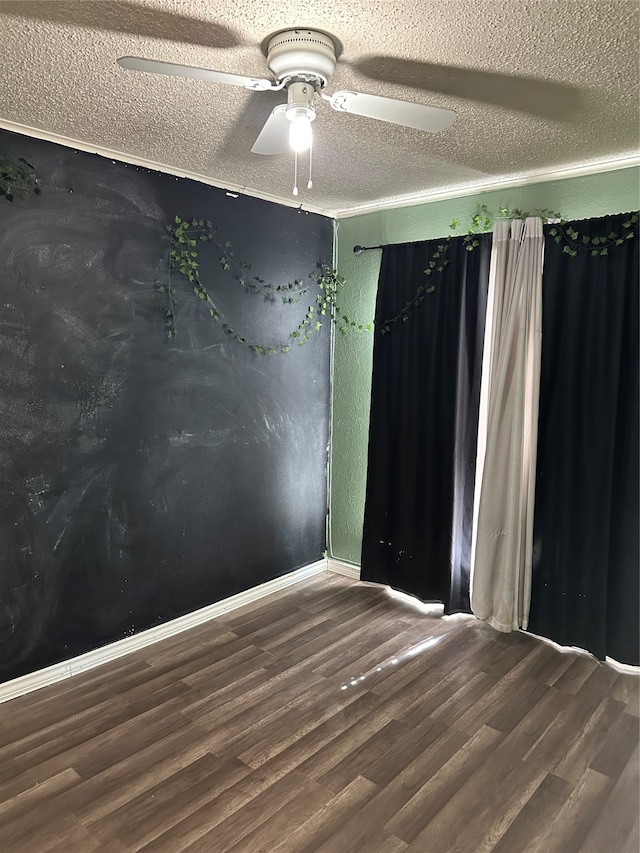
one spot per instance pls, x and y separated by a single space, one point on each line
531 95
155 66
419 116
274 136
134 17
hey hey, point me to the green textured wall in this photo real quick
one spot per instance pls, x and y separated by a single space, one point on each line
574 198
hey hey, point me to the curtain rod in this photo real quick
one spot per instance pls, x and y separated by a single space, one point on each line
358 250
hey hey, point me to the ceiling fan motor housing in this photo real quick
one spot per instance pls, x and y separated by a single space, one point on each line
306 54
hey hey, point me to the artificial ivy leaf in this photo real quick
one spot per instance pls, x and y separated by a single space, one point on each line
604 251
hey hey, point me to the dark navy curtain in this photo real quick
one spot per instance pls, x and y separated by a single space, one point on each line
586 525
424 420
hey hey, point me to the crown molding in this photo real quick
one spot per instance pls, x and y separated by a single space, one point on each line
152 165
575 171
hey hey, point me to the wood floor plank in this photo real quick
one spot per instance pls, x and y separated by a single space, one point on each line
326 739
632 844
540 809
361 831
296 724
573 678
549 665
426 764
267 834
30 799
387 844
616 824
156 825
574 819
228 818
437 791
555 741
328 718
79 840
627 689
395 757
327 820
344 744
483 824
618 747
136 818
119 784
589 740
382 743
290 718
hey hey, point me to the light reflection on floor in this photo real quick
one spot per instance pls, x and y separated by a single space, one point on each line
402 657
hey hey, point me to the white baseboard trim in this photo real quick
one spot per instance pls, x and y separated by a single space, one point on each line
66 669
349 570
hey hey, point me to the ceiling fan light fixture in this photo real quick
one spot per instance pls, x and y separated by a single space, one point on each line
300 130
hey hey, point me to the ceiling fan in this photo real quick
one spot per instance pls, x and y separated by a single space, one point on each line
301 62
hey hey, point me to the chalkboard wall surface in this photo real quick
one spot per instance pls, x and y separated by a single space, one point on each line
143 478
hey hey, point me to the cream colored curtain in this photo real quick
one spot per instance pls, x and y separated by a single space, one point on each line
505 472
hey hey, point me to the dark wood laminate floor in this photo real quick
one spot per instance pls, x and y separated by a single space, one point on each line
328 718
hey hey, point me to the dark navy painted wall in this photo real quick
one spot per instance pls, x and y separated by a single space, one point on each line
142 478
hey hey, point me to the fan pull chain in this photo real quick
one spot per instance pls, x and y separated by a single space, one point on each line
310 184
295 173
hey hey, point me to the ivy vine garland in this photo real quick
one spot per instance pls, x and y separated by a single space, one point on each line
17 178
483 221
185 235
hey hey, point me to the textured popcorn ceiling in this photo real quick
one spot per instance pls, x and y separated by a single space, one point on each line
538 86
